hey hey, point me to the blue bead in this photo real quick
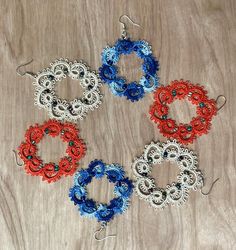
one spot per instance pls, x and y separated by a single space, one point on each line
164 117
189 128
56 167
165 154
201 105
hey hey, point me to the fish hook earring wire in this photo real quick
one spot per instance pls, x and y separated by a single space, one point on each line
124 33
16 159
20 73
103 227
212 185
224 102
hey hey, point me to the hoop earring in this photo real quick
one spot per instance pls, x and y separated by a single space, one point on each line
61 109
109 72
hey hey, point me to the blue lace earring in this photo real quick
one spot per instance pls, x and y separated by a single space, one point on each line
109 72
103 213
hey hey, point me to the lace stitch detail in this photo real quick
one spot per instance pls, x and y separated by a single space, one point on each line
190 178
45 96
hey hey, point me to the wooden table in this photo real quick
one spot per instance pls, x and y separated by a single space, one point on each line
194 40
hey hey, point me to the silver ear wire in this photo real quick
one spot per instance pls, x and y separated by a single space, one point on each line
19 72
224 102
213 183
103 227
16 160
124 34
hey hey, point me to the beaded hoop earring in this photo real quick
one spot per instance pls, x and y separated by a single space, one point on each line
51 172
109 71
45 95
197 95
190 178
88 207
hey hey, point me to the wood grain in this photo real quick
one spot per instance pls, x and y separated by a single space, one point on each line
194 40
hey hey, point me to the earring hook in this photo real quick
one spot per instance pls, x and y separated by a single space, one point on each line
223 104
213 183
19 72
124 27
103 227
16 160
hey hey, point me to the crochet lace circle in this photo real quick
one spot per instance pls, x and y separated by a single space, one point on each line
197 95
189 178
61 109
123 189
118 85
67 165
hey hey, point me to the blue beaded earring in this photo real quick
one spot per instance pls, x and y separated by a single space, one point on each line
109 72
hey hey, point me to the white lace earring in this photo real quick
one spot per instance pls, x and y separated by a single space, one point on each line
61 109
190 177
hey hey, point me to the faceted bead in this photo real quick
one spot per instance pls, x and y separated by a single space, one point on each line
149 159
81 74
164 117
165 154
56 167
178 185
54 103
201 105
51 77
189 128
180 158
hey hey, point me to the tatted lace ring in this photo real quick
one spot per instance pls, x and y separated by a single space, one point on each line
123 189
176 193
67 165
185 133
61 109
118 85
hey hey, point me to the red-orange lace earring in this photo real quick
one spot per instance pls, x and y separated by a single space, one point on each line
51 172
197 95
